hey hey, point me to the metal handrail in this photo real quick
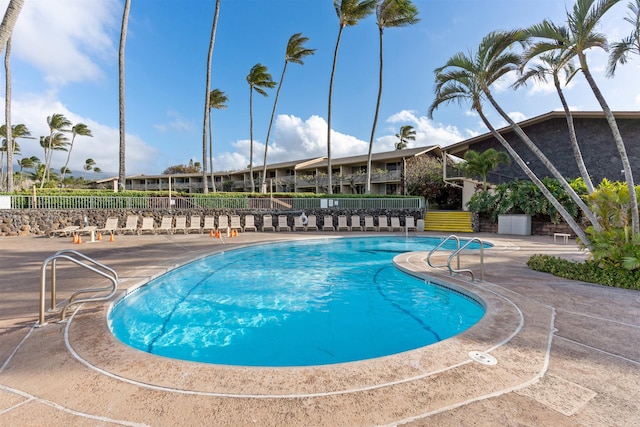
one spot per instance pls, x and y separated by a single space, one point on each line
451 237
103 271
466 270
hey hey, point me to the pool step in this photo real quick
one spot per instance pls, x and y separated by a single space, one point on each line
448 221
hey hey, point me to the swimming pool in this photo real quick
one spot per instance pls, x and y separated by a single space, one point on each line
301 303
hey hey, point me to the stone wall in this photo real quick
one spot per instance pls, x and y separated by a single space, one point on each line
538 228
40 222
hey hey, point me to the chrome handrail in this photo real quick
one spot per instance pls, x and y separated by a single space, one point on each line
466 270
70 255
434 250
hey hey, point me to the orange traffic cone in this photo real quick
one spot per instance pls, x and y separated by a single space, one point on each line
210 233
111 239
79 239
235 233
99 236
218 234
74 239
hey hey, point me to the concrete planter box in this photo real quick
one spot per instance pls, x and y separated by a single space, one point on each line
514 224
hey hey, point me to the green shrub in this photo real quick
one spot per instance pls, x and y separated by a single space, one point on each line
603 272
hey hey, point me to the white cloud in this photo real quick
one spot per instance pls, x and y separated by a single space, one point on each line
177 123
428 132
64 38
517 116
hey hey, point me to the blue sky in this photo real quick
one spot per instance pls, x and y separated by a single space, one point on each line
65 54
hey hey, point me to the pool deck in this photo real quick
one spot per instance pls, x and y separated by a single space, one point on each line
568 353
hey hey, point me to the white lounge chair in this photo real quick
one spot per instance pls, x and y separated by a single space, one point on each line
368 223
395 224
297 223
283 224
249 223
89 229
312 223
66 231
410 223
383 224
110 226
147 225
267 223
235 222
342 223
194 224
328 223
181 224
166 225
355 223
209 223
223 223
131 225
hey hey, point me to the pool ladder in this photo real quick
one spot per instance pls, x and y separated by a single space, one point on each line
456 254
85 262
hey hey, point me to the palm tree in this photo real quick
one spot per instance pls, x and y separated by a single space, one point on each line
389 13
407 133
17 131
9 21
121 95
57 123
629 44
207 107
295 53
464 78
218 100
88 165
78 129
481 164
574 41
553 65
258 78
349 12
27 163
7 116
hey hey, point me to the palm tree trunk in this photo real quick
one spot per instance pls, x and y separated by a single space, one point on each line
251 137
375 120
7 116
64 169
635 217
333 72
9 21
266 142
573 138
121 94
532 176
207 107
213 183
593 219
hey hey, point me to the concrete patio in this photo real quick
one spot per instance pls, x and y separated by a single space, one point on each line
568 353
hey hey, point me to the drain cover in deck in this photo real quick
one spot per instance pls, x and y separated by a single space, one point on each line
483 358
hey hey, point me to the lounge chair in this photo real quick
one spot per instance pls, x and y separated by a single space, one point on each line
181 224
110 226
342 223
328 223
355 223
194 224
147 225
131 225
166 225
267 223
283 224
383 224
410 223
235 222
312 223
209 223
249 223
89 229
297 223
67 231
368 223
395 224
223 223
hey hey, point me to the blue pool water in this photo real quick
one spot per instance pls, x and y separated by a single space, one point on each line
300 303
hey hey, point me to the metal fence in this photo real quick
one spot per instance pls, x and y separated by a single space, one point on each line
237 203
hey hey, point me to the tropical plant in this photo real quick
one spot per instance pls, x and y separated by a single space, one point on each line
88 165
294 53
553 65
574 40
7 116
466 78
57 123
78 129
121 95
27 163
481 164
17 131
207 106
9 21
349 12
629 44
218 100
258 79
389 13
406 134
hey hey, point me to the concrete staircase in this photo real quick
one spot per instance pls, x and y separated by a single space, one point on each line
448 221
